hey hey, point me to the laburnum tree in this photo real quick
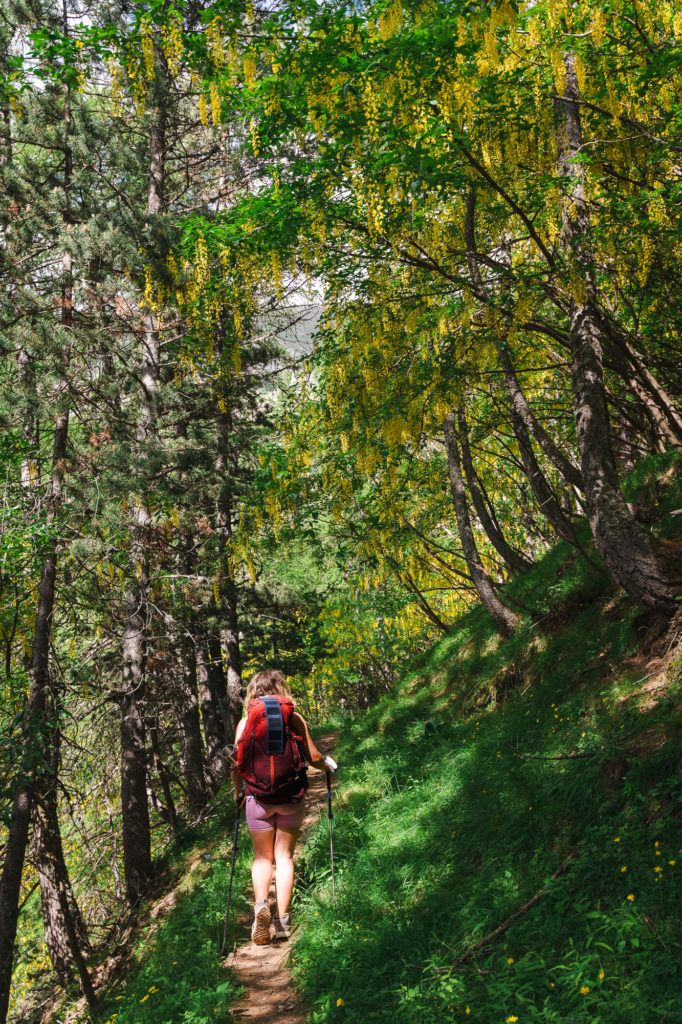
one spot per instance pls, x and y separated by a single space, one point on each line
514 168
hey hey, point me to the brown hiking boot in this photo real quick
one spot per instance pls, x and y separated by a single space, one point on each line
282 927
260 929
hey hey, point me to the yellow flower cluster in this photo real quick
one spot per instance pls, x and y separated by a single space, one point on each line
147 47
173 46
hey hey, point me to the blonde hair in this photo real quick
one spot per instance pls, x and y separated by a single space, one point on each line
270 680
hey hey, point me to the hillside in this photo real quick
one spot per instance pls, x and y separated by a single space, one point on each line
507 833
548 766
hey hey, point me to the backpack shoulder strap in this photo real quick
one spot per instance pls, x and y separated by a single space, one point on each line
274 721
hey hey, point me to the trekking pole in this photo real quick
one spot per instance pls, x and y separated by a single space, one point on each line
331 830
229 890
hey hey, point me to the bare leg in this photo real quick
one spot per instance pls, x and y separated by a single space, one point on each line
285 843
261 869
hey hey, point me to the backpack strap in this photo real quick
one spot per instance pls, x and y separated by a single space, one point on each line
274 721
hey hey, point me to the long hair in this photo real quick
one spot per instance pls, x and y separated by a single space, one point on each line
269 681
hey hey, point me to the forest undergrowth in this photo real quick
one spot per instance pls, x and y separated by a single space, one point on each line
165 964
548 763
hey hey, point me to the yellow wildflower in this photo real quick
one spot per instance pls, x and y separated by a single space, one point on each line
631 897
339 1001
510 959
601 975
584 989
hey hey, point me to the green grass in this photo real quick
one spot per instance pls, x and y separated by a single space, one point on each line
464 791
175 975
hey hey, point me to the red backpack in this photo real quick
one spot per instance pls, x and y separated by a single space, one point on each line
268 756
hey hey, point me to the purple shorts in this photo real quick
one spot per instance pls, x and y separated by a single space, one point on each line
264 817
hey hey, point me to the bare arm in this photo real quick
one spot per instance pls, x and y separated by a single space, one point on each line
313 756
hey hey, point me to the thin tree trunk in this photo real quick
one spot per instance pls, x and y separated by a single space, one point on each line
162 774
35 738
33 743
504 618
136 837
134 811
227 590
55 885
187 696
644 386
524 423
214 730
626 548
514 561
406 579
190 731
531 424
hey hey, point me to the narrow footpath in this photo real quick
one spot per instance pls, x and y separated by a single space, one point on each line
264 970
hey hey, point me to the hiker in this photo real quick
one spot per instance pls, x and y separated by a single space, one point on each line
275 786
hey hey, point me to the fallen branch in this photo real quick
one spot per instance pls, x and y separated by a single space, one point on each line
505 924
556 757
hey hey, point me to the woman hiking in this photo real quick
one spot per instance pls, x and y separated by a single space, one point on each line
274 749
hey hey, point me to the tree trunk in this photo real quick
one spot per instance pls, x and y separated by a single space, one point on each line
214 729
55 884
35 730
631 364
626 548
134 811
524 423
521 411
504 618
514 561
525 416
170 811
190 731
227 591
136 838
33 742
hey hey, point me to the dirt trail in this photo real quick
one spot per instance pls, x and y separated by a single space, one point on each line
264 970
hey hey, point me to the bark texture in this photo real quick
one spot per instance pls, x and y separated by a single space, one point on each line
56 893
626 548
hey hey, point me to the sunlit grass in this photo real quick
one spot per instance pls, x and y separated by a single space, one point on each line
457 804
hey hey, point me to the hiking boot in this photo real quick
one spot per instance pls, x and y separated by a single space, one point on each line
282 927
260 929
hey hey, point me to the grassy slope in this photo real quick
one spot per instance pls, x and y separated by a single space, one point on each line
461 795
173 972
